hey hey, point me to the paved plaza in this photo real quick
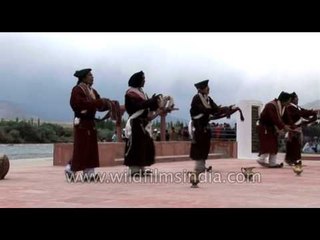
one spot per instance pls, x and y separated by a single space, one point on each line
38 184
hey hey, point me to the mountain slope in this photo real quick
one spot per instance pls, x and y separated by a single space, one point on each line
312 105
9 110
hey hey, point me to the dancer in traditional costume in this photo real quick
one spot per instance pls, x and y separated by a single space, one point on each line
85 101
139 149
269 126
297 117
203 109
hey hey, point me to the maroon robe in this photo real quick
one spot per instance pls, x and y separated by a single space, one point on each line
139 149
85 148
200 145
270 118
291 116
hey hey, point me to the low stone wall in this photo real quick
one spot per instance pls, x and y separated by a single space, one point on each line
308 156
111 154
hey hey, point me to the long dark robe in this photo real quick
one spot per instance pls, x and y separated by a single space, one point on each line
139 149
291 115
85 147
270 118
200 145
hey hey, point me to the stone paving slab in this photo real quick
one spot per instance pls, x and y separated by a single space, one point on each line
38 184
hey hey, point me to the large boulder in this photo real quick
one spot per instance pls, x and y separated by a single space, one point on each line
4 166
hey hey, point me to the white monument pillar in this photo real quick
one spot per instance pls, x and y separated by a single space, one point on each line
245 128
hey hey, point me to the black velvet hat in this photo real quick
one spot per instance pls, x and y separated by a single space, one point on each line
82 73
136 79
202 84
284 96
293 95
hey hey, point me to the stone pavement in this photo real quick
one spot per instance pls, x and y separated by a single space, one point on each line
36 184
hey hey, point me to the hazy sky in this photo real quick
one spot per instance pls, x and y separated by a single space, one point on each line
37 68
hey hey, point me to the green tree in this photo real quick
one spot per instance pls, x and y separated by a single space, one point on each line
14 134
